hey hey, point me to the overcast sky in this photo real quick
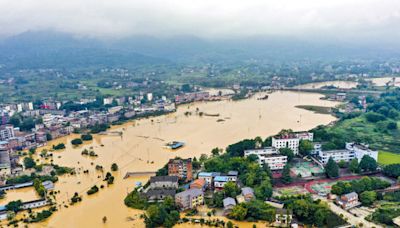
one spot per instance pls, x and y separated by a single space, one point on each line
340 19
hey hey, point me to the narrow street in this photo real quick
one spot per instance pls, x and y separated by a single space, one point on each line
353 220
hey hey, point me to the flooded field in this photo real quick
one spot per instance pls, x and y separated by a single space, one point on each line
337 84
140 148
385 80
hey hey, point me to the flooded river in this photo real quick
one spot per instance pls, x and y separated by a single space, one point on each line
140 148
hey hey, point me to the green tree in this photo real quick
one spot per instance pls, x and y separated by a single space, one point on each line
231 189
287 152
29 162
367 198
305 147
331 168
353 166
114 167
86 137
14 206
263 190
215 151
368 163
286 178
238 213
76 141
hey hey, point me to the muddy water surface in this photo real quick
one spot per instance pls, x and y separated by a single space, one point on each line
140 148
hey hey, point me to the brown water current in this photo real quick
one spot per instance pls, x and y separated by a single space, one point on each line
140 148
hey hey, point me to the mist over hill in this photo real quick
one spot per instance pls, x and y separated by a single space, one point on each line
60 50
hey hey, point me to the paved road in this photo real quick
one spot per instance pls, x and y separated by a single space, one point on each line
353 220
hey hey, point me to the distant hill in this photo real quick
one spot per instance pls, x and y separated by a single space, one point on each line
58 50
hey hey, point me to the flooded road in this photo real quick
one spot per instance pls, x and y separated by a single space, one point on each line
140 148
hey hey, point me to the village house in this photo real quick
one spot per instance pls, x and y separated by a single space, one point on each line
163 182
199 184
158 195
348 200
182 168
208 177
190 198
247 193
229 203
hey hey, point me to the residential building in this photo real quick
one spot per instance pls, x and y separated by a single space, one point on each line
199 184
6 132
247 193
189 97
5 163
229 203
158 195
190 198
220 181
208 177
348 201
232 176
163 182
269 156
182 168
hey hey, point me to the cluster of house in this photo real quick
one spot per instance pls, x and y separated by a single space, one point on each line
57 123
180 171
191 97
276 161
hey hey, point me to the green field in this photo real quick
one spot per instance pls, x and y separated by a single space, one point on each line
386 158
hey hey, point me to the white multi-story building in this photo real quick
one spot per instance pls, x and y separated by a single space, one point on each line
360 150
352 151
6 132
337 155
305 135
269 156
291 140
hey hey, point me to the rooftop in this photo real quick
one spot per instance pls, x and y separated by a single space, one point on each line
190 192
229 201
221 178
163 179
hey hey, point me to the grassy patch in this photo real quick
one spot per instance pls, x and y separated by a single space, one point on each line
316 109
387 158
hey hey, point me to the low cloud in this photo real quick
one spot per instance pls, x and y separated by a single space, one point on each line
339 19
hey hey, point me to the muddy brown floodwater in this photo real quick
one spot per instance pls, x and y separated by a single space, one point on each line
338 84
140 148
